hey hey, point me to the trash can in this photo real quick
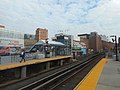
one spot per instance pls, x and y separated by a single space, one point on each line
47 54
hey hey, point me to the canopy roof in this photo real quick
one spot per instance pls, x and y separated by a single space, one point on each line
53 43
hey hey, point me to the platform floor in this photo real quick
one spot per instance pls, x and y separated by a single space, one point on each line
104 76
15 65
110 76
90 81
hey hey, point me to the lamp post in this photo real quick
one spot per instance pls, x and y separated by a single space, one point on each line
46 47
115 40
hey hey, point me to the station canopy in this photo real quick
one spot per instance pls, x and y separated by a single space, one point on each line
52 43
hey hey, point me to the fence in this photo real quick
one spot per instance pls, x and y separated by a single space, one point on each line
16 58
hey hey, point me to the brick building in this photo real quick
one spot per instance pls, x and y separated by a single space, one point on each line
2 26
95 41
84 39
107 45
41 34
92 41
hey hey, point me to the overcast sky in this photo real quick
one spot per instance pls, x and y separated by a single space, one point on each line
70 16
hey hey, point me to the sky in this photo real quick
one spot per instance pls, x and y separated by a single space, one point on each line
62 16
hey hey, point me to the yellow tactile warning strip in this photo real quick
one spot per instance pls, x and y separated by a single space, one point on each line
9 66
90 81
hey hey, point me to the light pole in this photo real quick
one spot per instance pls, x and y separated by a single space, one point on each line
46 47
115 45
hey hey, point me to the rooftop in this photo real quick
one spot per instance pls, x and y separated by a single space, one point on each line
50 43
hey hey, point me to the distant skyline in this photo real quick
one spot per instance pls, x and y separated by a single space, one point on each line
68 16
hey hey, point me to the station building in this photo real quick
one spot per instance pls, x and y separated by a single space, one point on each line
65 39
78 49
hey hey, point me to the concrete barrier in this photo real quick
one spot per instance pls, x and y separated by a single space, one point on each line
40 56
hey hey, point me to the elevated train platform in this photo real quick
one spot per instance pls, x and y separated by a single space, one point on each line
31 62
24 69
104 76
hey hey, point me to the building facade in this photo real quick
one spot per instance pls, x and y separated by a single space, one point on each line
104 38
65 39
29 36
41 34
85 40
92 41
78 49
2 26
10 41
107 45
95 41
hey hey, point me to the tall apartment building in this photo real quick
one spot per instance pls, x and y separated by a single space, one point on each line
95 41
92 41
41 34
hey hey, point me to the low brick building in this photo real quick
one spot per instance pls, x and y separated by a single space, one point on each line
2 26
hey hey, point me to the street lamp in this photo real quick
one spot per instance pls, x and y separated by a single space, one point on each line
46 48
115 40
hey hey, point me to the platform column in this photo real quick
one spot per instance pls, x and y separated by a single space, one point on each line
70 60
42 67
61 62
17 73
23 72
48 65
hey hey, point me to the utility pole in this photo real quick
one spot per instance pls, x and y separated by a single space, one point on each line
115 46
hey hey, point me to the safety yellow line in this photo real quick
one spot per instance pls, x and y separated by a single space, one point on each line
90 81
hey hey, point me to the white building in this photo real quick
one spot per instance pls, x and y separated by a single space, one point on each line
10 40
